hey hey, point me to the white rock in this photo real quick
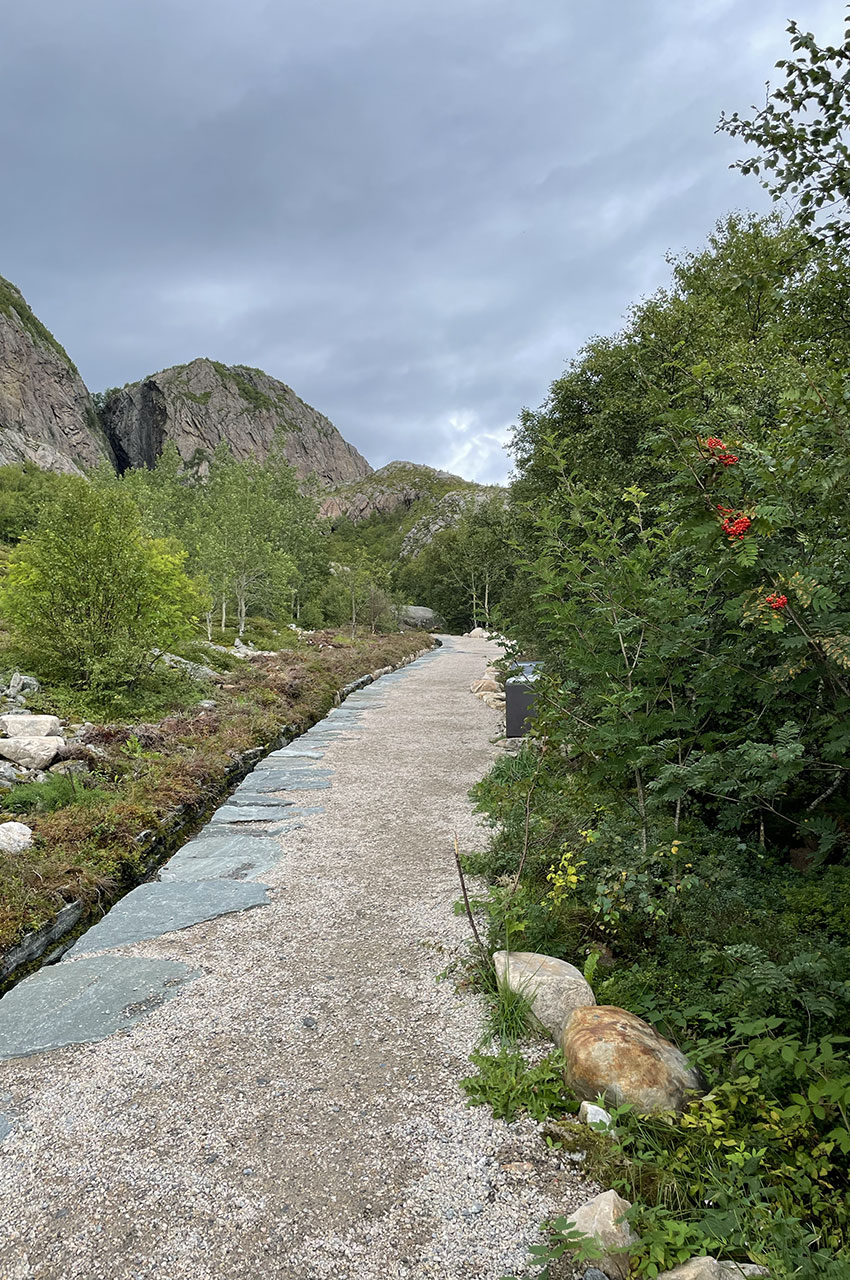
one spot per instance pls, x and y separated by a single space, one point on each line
477 633
588 1113
554 988
27 726
602 1219
15 837
705 1268
33 753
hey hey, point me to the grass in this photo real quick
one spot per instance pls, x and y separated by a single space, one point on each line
163 754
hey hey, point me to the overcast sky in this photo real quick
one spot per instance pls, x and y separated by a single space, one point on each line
414 212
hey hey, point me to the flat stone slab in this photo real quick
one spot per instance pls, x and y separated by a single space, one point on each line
222 857
162 907
288 753
89 1000
250 813
257 795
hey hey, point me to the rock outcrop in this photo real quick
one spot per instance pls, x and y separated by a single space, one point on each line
46 413
200 405
395 488
613 1054
445 513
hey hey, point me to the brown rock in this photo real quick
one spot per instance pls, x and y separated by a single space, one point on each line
613 1054
486 686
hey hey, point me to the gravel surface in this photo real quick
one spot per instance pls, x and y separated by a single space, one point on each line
295 1111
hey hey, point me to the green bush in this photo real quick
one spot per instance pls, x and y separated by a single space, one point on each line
87 595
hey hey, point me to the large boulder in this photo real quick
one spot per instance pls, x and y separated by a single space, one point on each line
553 988
612 1054
417 615
711 1269
602 1218
32 753
25 726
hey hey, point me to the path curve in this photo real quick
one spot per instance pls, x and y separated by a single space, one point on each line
294 1112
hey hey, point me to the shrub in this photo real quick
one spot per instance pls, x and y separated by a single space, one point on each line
88 596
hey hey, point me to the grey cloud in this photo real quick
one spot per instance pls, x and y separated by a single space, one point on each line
413 212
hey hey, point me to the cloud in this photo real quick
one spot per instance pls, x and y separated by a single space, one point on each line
413 213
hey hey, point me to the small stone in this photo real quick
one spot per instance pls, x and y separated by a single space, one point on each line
598 1117
15 837
309 1022
70 768
22 684
593 1273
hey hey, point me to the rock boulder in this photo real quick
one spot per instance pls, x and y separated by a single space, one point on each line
554 988
706 1268
30 726
602 1219
610 1053
32 753
417 615
15 837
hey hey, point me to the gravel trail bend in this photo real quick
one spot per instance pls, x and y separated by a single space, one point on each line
294 1111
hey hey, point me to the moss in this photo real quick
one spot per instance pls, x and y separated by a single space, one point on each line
235 376
12 302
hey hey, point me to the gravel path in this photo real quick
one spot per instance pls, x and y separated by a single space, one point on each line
294 1112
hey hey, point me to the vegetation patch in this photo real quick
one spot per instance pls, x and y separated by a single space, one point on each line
86 842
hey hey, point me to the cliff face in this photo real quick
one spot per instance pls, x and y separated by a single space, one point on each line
395 488
46 413
199 405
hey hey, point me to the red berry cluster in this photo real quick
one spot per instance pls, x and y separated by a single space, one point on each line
717 449
735 525
776 602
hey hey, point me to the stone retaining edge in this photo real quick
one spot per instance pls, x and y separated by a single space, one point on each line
34 949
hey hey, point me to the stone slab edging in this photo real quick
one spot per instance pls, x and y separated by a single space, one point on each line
49 943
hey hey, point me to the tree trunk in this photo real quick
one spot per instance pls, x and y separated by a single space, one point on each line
223 612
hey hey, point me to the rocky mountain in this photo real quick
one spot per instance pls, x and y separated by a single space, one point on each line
393 489
443 514
199 405
46 413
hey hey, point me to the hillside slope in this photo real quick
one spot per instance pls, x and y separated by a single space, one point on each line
202 404
46 413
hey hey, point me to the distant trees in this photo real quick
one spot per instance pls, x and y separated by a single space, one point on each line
466 571
248 531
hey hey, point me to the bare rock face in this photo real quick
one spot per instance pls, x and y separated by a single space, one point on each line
394 488
553 988
615 1055
202 404
46 413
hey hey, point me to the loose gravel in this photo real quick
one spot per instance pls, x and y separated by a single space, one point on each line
295 1111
